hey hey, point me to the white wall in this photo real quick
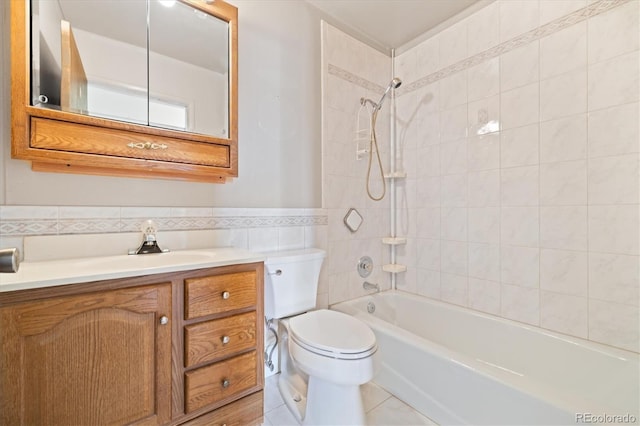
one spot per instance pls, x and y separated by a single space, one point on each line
279 127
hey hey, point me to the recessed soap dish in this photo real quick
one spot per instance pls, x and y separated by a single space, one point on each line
353 220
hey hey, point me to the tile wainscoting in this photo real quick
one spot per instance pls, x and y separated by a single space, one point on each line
254 229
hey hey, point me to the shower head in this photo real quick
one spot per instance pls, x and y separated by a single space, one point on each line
394 84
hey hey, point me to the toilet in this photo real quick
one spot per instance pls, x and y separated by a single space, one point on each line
324 355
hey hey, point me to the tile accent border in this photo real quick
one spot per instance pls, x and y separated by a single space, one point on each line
552 27
352 78
20 221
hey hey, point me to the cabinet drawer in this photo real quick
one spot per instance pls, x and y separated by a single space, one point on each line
219 293
81 138
213 383
210 340
244 412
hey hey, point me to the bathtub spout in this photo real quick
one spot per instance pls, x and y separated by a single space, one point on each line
371 286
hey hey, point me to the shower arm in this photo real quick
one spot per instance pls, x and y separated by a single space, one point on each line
364 101
394 84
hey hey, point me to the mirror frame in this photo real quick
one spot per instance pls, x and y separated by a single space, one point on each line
47 160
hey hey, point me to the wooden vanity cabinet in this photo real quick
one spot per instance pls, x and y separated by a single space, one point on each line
122 351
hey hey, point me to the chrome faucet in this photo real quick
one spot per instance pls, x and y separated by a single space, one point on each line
371 286
149 242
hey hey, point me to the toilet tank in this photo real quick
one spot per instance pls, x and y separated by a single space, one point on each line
291 281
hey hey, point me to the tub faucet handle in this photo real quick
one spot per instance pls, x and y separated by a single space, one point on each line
365 266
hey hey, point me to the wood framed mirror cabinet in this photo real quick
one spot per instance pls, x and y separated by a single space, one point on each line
136 88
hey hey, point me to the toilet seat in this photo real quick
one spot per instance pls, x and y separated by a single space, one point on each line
332 334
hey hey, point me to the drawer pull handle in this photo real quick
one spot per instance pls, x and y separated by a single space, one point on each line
225 340
225 295
147 145
164 320
225 383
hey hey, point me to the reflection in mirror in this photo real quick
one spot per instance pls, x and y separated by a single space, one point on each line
100 58
90 57
188 69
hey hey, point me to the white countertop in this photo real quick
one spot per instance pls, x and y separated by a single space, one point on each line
32 275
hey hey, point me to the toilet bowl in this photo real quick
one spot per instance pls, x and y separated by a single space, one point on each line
332 345
325 355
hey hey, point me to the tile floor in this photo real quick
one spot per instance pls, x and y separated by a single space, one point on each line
381 407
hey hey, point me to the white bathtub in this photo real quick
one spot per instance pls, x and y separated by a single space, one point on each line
458 366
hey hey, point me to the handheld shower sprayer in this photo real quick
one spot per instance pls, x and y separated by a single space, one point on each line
373 142
394 84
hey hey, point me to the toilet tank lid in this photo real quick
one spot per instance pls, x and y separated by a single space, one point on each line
288 256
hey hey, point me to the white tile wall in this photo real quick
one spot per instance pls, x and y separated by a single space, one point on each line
366 74
520 67
563 183
484 152
611 131
614 277
563 139
520 304
563 227
520 265
614 33
517 17
483 80
519 146
564 313
614 229
453 288
563 51
453 44
484 296
563 95
551 192
564 271
483 30
613 81
520 106
522 152
554 9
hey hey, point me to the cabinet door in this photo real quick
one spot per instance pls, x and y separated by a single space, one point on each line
98 358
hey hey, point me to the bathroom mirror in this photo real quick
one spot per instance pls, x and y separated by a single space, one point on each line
158 63
353 220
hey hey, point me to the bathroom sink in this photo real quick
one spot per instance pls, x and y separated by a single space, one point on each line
144 261
89 269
